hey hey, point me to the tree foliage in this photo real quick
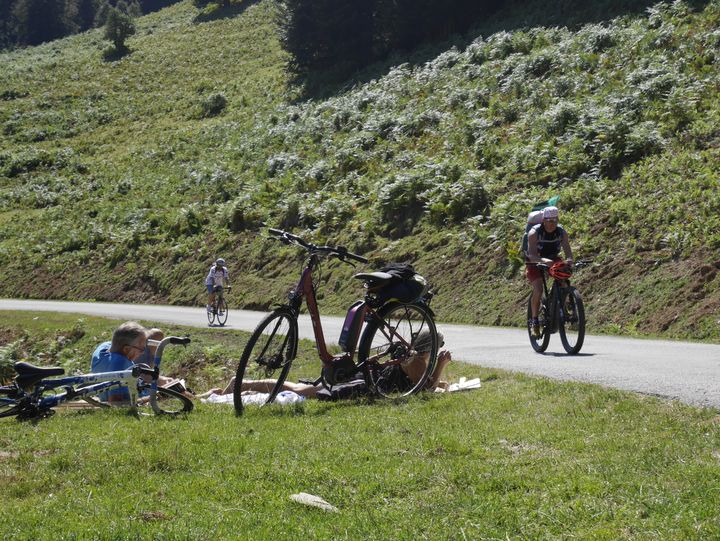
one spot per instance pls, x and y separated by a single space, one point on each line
31 22
344 35
118 27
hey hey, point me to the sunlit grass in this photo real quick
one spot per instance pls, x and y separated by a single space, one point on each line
519 458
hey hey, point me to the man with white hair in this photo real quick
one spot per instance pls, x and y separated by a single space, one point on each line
544 243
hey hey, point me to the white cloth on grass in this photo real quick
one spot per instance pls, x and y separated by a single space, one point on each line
283 398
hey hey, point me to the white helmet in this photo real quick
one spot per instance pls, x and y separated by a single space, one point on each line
550 212
220 262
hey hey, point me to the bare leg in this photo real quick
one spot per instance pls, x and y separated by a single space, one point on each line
267 385
416 367
536 297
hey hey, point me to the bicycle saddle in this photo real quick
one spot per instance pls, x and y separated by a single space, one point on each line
373 279
29 375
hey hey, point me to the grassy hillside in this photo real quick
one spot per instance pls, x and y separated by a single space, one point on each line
123 180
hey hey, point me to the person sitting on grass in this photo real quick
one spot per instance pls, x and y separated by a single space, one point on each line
129 346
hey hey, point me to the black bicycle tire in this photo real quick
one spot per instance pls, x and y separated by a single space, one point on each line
538 346
290 344
170 393
580 309
211 315
366 343
222 312
10 409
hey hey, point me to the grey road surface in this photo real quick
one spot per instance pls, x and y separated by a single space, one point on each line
689 372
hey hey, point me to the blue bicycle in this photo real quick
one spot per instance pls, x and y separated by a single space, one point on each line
35 391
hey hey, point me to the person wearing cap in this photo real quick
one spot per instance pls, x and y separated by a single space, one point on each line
218 276
545 240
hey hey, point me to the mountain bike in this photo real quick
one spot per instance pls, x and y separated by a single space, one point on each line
219 310
35 391
389 355
561 309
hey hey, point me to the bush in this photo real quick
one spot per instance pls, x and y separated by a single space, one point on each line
118 27
212 105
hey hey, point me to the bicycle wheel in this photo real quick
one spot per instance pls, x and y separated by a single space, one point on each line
541 342
266 359
572 320
211 315
398 350
169 402
10 401
222 312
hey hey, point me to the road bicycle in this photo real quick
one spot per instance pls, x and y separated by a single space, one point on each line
389 356
561 309
35 391
218 311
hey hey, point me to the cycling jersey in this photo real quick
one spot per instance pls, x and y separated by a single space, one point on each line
549 244
215 276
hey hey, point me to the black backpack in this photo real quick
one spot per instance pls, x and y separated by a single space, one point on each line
406 284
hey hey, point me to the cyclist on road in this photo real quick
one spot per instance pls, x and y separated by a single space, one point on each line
544 243
218 276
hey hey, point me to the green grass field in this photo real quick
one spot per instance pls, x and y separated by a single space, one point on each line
519 458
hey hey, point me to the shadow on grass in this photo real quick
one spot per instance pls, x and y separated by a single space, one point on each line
113 54
214 12
514 16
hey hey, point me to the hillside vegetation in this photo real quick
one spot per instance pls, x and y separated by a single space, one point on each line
123 180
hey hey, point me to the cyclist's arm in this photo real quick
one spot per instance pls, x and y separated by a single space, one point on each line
532 252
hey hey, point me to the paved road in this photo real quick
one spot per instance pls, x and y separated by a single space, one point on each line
688 372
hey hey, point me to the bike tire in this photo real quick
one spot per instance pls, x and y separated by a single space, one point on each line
169 402
222 312
572 321
268 355
10 401
539 344
391 364
211 315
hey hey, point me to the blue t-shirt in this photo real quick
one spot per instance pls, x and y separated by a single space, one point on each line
103 360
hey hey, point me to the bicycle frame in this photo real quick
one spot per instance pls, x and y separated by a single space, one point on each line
95 383
305 288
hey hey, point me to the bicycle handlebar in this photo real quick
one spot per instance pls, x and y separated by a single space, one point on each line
341 252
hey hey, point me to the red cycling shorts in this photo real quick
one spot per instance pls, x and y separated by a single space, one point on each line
533 273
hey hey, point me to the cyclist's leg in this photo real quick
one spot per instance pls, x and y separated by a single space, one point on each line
537 292
211 295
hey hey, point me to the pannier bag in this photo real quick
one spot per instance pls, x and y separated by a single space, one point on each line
406 285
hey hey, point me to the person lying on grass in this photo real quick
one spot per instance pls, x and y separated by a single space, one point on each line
129 346
404 375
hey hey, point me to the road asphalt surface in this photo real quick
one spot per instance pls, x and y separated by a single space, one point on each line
684 371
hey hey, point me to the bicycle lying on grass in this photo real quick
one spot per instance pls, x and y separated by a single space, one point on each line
219 310
561 309
35 391
388 350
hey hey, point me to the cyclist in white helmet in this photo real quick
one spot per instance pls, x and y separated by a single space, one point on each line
545 241
218 276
